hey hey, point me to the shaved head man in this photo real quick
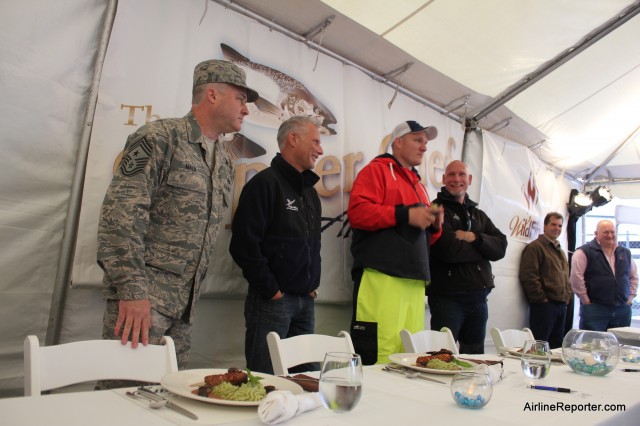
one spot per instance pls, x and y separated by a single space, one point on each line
605 278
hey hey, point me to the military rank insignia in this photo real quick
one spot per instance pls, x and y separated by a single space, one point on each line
136 158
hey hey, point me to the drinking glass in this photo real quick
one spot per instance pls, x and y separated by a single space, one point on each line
341 381
535 360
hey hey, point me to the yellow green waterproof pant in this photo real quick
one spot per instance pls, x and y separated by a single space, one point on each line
393 304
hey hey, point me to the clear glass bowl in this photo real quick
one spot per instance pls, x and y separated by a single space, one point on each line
592 353
630 354
471 389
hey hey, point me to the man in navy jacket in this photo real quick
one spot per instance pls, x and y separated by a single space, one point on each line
276 242
605 278
461 276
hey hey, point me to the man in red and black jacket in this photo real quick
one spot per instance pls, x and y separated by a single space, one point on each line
393 225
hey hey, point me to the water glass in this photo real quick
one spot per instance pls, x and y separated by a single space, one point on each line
341 381
536 360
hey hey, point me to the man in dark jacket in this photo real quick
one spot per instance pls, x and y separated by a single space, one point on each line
605 279
461 277
276 242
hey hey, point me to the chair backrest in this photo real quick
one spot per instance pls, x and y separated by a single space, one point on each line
303 349
428 340
511 338
51 367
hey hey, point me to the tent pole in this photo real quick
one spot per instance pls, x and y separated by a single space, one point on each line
65 262
630 138
563 57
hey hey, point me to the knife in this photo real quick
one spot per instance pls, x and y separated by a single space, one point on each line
169 404
180 409
413 374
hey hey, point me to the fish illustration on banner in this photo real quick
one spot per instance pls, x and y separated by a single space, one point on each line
240 146
293 97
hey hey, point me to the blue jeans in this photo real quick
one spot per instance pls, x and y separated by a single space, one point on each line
289 316
466 314
547 320
599 317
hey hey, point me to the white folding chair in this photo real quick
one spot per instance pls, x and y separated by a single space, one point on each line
428 340
511 338
303 349
52 367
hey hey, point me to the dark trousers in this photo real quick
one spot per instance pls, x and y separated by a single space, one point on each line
547 321
466 314
292 315
599 317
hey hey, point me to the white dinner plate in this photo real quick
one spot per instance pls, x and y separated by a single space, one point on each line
555 355
409 360
184 381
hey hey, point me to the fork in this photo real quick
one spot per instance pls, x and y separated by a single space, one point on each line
157 401
410 374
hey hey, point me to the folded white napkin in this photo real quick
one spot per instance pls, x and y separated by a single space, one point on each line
279 406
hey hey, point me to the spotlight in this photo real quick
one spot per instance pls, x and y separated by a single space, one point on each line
600 196
579 203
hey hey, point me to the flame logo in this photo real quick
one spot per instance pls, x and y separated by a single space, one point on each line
530 191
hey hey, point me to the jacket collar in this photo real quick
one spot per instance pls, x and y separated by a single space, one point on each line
388 158
193 128
299 181
445 195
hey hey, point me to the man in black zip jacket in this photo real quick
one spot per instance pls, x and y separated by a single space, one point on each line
276 242
461 277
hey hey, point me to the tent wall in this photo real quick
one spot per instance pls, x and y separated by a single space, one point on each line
45 73
47 53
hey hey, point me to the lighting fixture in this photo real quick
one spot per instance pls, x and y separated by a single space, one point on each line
600 196
579 203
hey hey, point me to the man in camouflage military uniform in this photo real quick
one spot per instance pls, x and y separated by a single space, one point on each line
163 210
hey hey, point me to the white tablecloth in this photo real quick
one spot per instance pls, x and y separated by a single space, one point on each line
387 399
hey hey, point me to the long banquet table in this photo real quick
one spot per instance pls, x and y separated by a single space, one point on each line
387 399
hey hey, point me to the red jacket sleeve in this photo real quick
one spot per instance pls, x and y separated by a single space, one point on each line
366 203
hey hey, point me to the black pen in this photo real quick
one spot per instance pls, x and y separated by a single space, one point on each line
631 370
549 388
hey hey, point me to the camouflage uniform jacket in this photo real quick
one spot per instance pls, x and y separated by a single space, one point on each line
161 216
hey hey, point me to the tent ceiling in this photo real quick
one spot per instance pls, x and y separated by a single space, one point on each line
466 54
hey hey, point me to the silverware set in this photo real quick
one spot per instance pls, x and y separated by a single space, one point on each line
158 401
411 374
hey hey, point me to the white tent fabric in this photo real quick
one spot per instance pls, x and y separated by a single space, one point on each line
49 53
47 58
574 118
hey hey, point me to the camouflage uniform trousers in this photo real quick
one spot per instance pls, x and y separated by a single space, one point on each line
161 325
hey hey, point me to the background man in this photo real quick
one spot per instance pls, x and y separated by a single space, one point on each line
161 214
461 277
276 242
393 224
605 278
544 276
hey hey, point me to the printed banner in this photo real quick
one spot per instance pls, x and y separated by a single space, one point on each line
517 192
147 75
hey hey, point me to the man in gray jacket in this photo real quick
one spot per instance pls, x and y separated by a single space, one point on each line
163 210
544 276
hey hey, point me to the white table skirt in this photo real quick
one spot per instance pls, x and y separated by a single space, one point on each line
388 399
627 335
